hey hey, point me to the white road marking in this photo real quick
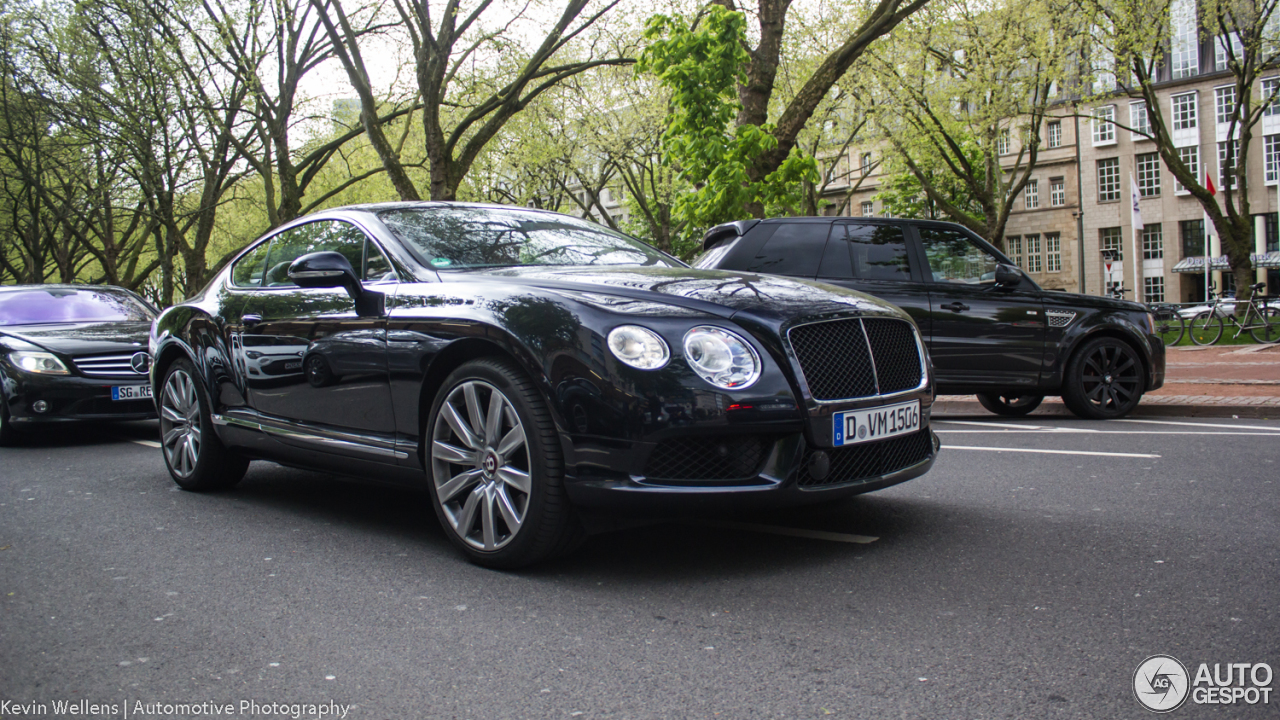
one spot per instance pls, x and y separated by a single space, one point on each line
987 424
1197 424
148 443
1050 452
790 532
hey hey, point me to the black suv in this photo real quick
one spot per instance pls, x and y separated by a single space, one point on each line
990 329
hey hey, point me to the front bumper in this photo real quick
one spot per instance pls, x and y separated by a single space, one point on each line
70 398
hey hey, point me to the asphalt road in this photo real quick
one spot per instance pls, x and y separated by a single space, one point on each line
1001 585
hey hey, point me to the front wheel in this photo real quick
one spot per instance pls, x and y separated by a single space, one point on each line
1206 328
496 475
1010 405
1267 329
196 458
1170 327
1104 380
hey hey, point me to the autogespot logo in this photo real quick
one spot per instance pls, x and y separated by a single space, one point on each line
1160 683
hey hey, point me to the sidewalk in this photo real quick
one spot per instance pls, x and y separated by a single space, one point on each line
1215 381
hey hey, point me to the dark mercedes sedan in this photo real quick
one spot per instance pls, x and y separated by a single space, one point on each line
72 353
519 364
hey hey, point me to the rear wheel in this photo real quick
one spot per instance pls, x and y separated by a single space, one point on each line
1170 327
1010 405
196 458
1206 328
1104 380
496 474
1268 330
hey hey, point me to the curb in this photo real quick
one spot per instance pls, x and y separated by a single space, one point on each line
946 408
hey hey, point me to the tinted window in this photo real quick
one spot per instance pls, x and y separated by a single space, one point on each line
249 269
66 305
459 238
326 235
879 252
376 267
954 258
794 249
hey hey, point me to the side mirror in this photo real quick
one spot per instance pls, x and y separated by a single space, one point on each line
1006 276
330 269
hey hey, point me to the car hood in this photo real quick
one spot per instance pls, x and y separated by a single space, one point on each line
1054 298
718 292
83 338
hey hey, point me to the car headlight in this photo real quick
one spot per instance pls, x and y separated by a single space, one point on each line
42 363
721 357
639 347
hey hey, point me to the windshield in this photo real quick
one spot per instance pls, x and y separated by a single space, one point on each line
459 238
67 305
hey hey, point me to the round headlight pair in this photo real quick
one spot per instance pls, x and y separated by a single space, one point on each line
718 356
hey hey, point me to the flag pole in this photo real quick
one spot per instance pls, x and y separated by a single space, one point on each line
1136 223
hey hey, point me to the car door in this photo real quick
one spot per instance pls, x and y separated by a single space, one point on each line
310 359
982 335
875 258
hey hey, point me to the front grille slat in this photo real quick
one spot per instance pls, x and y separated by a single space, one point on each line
107 366
836 357
868 461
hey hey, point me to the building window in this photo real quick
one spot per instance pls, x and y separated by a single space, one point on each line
1271 158
1190 156
1031 194
1109 180
1272 231
1033 253
1152 241
1227 163
866 163
1052 252
1002 142
1014 243
868 209
1055 134
1153 289
1057 192
1192 238
1185 116
1148 174
1220 50
1109 239
1104 129
1186 40
1224 104
1271 90
1138 119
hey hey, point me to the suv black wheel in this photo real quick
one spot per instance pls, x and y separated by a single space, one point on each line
1104 380
1010 405
196 458
496 475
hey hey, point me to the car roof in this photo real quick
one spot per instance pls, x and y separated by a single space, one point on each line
61 286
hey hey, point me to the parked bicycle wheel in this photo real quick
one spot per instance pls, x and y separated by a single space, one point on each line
1170 327
1206 328
1267 328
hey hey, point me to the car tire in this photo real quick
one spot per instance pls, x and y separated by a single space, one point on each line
498 487
1104 380
197 460
1010 405
8 433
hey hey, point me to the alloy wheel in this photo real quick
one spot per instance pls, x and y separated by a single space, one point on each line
1112 377
180 423
481 466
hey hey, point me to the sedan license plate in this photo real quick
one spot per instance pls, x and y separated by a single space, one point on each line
131 392
859 426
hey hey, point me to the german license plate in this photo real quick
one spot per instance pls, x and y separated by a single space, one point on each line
131 392
859 426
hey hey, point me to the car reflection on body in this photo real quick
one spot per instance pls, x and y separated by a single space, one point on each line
521 365
72 353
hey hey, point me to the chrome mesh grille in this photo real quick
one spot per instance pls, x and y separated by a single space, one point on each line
868 461
107 366
836 357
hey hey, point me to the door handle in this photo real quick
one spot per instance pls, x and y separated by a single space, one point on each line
250 320
956 307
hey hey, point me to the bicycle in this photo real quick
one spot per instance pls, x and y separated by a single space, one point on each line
1169 324
1206 327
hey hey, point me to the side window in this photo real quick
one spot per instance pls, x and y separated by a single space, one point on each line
954 258
794 249
879 252
249 269
306 239
376 266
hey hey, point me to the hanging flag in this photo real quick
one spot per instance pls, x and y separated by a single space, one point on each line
1134 195
1208 183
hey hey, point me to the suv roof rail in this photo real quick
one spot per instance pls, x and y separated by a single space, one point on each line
737 228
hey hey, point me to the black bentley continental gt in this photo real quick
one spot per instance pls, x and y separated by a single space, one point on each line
519 364
72 353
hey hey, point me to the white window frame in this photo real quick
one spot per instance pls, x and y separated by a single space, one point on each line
1185 48
1003 141
1224 102
1034 261
1152 241
1014 245
1139 121
1150 292
1271 159
1184 126
1222 157
1113 184
1104 126
1271 113
1057 192
1112 239
1031 195
1054 134
868 208
1053 252
1220 50
1194 167
1147 170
